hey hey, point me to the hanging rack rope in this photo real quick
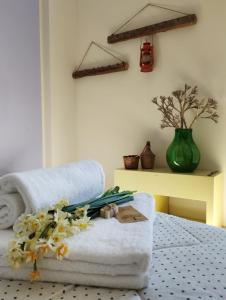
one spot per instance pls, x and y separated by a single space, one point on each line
99 46
142 9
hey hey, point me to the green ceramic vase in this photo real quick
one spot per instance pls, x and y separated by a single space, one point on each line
182 154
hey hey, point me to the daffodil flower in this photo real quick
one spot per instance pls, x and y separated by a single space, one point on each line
61 203
31 256
61 251
15 254
35 275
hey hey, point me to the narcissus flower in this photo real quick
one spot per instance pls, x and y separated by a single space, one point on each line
15 254
31 256
34 275
42 233
61 203
61 251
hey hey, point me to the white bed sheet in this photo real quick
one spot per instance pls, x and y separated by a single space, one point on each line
189 263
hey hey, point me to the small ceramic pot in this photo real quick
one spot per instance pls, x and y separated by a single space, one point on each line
131 161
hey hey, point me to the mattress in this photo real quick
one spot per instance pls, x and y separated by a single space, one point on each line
189 263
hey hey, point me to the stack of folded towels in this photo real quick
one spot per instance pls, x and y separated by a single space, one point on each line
108 254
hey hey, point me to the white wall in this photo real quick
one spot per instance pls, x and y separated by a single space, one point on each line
105 117
58 48
20 100
114 115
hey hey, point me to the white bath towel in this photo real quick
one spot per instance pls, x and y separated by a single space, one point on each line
108 249
42 188
125 282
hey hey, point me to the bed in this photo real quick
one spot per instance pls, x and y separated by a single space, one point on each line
189 263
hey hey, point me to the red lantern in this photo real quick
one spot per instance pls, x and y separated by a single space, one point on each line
146 57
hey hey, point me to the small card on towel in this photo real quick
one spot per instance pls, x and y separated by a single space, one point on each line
128 214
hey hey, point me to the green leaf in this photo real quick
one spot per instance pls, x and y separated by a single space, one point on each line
112 195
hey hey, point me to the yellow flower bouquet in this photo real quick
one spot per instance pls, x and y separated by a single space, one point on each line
44 232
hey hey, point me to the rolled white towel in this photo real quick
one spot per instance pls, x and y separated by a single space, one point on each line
77 182
11 206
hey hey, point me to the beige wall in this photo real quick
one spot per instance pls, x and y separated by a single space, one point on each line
104 117
59 36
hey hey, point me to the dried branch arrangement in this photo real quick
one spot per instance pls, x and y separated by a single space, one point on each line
175 108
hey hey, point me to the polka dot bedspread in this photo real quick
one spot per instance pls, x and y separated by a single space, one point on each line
189 263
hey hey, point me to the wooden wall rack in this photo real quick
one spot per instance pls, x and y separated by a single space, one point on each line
180 22
123 66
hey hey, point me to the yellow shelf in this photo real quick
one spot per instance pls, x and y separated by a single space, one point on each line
163 183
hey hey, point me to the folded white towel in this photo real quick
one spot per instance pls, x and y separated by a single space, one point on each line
108 249
125 282
42 188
